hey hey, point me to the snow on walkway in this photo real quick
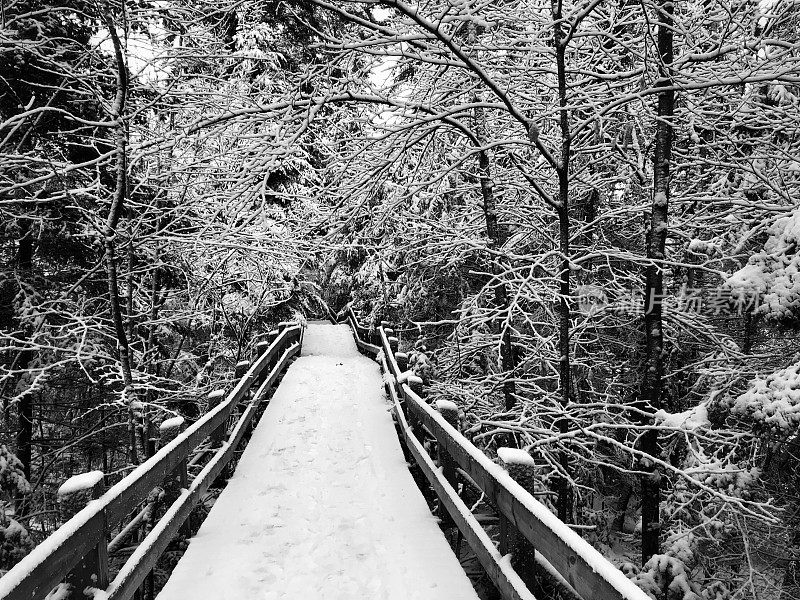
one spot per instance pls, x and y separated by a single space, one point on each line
322 505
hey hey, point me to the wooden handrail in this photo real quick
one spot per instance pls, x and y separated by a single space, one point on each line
587 572
361 333
506 580
49 563
332 316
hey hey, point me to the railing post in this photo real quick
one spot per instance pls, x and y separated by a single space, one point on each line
150 445
449 412
272 336
179 478
521 468
73 495
401 358
218 435
402 361
261 349
241 369
415 383
148 590
417 386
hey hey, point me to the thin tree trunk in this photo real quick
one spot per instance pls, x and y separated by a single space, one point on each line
652 378
565 288
24 437
508 360
114 214
129 289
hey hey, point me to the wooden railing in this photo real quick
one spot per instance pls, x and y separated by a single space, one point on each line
527 527
362 334
77 552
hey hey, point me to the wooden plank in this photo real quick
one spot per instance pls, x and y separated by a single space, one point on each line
569 554
36 574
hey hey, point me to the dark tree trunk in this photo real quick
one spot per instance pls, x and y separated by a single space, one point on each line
565 287
24 438
652 378
497 237
112 221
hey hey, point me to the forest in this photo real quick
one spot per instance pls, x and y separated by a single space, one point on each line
581 216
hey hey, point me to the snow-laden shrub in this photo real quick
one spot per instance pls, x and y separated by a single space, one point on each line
700 519
15 543
770 281
420 364
771 402
14 539
12 476
667 577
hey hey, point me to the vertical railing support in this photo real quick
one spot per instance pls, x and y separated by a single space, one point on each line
402 361
241 369
92 570
261 349
179 478
415 423
218 435
402 365
449 411
272 336
521 467
417 386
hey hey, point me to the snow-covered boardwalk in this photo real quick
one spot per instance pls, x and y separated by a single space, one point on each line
321 504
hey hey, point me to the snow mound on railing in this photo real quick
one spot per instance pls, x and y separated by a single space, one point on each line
80 482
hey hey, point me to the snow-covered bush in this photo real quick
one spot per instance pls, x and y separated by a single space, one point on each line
771 402
666 577
420 363
770 281
12 476
15 543
14 539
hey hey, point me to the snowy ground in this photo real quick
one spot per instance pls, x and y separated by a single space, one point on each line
321 505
